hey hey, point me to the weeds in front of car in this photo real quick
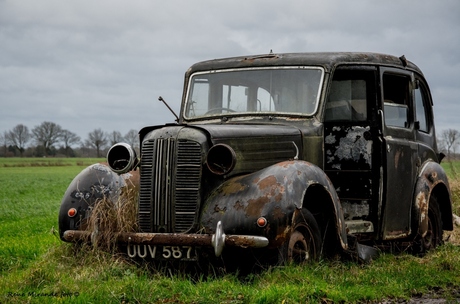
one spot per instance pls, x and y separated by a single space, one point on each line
109 218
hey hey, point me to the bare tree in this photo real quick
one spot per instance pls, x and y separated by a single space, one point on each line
4 142
97 139
450 140
47 134
132 138
18 137
69 139
115 137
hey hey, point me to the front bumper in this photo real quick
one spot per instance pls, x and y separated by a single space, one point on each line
217 240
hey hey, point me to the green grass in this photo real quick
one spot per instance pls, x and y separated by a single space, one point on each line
452 168
47 162
36 267
30 199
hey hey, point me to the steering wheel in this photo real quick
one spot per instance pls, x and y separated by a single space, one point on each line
215 110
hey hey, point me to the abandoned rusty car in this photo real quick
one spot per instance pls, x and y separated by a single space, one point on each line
281 157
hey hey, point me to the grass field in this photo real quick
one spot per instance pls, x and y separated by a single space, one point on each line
36 267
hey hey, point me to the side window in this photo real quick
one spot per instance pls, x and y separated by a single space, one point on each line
421 108
396 100
347 100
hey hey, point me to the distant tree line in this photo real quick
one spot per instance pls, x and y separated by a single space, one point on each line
50 139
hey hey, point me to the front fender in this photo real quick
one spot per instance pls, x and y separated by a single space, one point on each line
93 183
432 180
274 193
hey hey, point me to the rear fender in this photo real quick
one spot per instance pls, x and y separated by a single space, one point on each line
275 193
432 180
92 184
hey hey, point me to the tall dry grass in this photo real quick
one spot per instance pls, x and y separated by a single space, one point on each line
109 218
454 236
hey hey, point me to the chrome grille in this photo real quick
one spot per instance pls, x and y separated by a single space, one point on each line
170 185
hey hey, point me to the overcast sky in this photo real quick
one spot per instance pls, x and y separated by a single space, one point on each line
102 64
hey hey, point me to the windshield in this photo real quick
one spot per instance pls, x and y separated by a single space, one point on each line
293 90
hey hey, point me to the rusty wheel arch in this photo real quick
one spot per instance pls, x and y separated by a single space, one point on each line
431 181
319 201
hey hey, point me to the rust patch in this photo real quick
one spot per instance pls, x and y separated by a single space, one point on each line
391 235
233 188
279 196
282 235
276 190
255 205
278 213
285 164
432 176
217 209
238 205
236 241
422 205
267 182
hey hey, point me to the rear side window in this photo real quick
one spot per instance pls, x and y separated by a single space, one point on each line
396 100
422 108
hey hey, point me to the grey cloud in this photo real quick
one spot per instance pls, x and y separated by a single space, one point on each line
87 65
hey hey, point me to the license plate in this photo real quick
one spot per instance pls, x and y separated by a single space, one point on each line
162 252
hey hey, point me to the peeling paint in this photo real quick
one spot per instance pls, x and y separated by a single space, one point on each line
354 146
348 144
329 139
355 211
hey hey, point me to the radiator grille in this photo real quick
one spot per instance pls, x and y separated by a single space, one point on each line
188 177
145 191
170 185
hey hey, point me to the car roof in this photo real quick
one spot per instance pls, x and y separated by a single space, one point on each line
327 60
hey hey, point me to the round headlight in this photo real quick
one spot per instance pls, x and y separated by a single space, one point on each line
122 158
221 159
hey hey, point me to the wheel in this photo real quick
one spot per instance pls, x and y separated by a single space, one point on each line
304 243
433 236
215 110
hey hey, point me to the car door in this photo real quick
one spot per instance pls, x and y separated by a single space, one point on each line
400 152
352 144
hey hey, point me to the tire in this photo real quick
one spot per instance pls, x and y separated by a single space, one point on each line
433 236
304 242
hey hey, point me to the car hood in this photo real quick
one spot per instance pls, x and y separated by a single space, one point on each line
257 146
